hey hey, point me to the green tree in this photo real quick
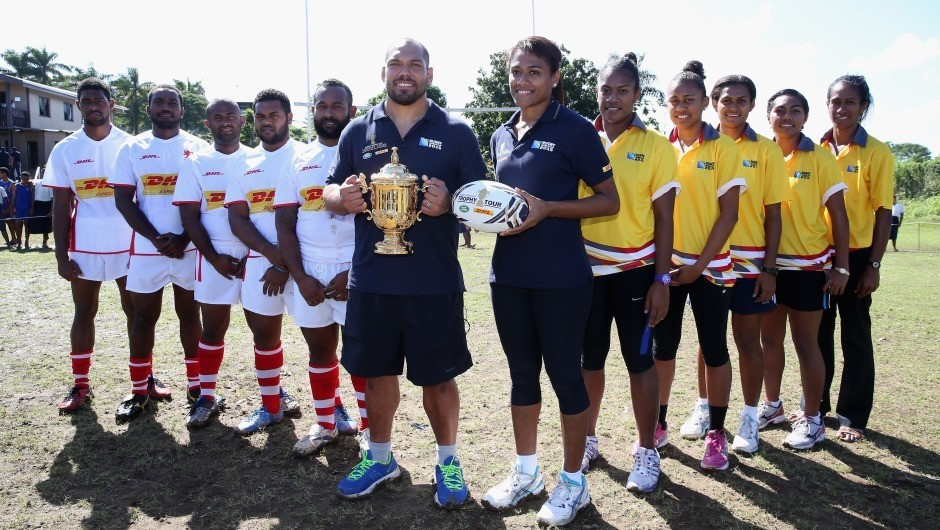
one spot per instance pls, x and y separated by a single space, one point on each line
78 74
917 179
19 64
908 152
434 93
128 91
248 136
195 102
36 65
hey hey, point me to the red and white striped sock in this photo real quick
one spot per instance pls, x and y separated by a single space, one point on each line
140 371
210 360
268 365
81 364
359 385
192 371
324 382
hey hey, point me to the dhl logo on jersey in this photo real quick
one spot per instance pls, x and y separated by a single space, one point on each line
261 201
313 199
214 199
159 184
93 188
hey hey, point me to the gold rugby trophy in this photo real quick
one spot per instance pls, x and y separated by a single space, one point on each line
394 204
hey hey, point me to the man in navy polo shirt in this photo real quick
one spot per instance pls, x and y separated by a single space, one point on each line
406 308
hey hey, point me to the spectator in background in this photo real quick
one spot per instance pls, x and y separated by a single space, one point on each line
22 207
6 160
465 231
15 159
42 211
6 205
897 217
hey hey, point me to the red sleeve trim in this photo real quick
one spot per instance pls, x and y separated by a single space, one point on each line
286 204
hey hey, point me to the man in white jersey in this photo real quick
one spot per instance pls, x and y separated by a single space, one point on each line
220 256
265 292
317 246
85 216
147 168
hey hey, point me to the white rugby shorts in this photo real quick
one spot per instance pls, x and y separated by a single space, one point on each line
326 312
101 267
253 297
212 287
149 274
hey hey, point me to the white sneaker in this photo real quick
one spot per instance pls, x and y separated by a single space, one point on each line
363 438
314 440
645 474
769 414
590 453
566 500
806 433
746 441
697 425
514 489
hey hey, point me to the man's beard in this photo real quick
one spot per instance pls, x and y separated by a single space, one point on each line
165 123
323 132
279 135
401 99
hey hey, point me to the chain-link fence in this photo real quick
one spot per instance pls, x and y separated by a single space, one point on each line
918 237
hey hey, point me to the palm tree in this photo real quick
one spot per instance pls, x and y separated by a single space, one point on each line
19 62
46 70
131 93
190 86
78 74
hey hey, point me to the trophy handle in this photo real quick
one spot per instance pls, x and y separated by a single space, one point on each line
423 188
364 188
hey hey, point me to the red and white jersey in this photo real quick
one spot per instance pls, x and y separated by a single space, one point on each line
323 236
83 165
254 184
203 180
152 166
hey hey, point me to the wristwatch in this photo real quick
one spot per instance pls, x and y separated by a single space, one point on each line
840 270
663 278
875 264
770 270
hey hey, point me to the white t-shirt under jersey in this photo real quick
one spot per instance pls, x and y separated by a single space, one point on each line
203 180
152 166
83 165
323 236
254 184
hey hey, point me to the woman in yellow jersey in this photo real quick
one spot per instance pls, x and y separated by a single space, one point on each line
867 166
630 256
753 245
804 284
705 213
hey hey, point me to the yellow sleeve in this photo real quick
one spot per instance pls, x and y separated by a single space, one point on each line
665 173
776 183
728 170
881 178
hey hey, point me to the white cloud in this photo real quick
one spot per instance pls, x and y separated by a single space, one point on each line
906 51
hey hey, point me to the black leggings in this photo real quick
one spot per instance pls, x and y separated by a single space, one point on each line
543 324
710 306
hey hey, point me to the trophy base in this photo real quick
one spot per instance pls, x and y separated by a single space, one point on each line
393 244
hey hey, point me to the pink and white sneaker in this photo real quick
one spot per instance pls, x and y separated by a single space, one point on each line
716 451
660 436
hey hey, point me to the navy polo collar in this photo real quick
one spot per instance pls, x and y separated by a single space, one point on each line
550 114
708 133
860 138
748 132
805 144
637 122
434 114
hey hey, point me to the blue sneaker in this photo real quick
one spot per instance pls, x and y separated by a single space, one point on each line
343 422
366 476
289 406
259 420
451 490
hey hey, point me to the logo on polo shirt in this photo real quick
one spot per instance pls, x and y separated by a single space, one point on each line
701 164
636 157
212 174
145 157
253 171
366 156
802 174
544 146
261 201
93 188
214 199
750 163
852 169
315 166
427 142
84 161
159 184
313 199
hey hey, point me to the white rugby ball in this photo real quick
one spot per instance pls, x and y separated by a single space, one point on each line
489 206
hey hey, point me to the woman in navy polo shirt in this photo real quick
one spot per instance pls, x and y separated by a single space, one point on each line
541 277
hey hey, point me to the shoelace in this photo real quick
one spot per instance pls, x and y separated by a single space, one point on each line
453 477
746 427
361 468
714 445
563 489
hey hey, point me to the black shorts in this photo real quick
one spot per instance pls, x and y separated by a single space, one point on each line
742 298
802 290
620 297
383 331
895 224
710 304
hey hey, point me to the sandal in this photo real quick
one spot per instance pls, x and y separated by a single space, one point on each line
850 435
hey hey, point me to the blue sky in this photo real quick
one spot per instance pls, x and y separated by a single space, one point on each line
239 47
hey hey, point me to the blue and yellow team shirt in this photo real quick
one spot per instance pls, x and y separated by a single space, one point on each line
765 172
814 178
707 170
644 167
867 167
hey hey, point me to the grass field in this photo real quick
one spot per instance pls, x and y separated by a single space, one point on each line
87 471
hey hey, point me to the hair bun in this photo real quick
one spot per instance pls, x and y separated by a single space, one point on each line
630 56
695 67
